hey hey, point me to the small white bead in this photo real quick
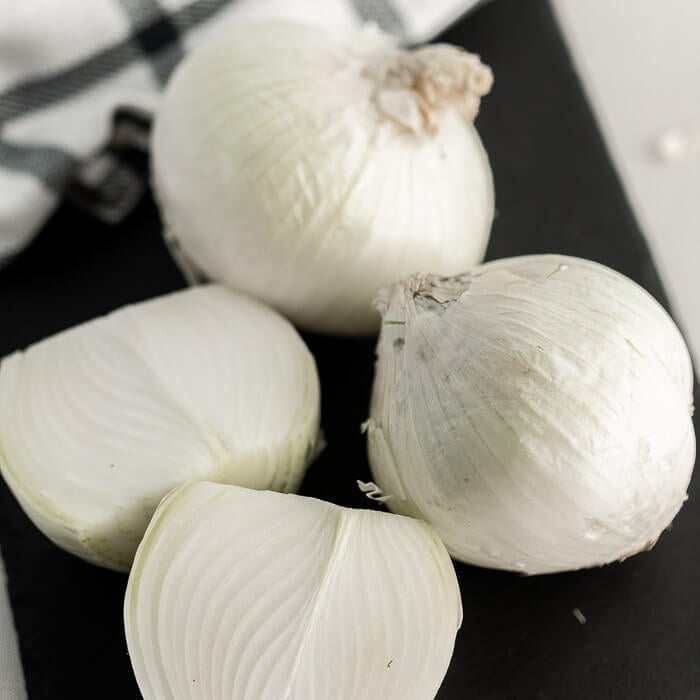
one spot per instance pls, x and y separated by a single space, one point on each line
672 146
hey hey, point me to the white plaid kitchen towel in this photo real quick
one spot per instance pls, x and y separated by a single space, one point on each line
78 76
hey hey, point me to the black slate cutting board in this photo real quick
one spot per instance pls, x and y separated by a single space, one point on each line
556 192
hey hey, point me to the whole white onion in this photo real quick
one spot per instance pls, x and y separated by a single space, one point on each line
536 411
310 169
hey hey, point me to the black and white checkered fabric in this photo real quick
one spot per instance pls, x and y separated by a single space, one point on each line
79 80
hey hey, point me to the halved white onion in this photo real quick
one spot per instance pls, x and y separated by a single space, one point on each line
99 422
251 595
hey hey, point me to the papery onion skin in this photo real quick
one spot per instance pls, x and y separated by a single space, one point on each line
537 412
278 175
100 421
250 595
